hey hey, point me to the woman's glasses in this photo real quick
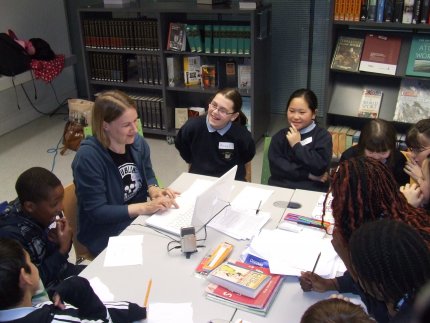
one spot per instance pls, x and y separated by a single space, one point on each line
222 111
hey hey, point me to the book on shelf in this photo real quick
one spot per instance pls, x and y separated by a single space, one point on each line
413 101
208 76
211 2
380 54
370 103
191 70
408 11
174 71
419 56
347 54
239 279
190 38
246 109
208 38
249 4
177 38
244 77
259 305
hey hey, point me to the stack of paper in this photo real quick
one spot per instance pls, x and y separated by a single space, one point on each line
290 253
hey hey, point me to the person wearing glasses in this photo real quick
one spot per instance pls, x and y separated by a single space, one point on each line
417 166
300 155
214 143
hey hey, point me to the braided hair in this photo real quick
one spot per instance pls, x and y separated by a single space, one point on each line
364 190
391 260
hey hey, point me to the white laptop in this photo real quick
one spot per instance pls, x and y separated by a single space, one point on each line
198 213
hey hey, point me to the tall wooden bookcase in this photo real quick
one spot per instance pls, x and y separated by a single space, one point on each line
344 89
181 96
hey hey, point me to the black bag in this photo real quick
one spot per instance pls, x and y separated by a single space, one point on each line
13 57
43 51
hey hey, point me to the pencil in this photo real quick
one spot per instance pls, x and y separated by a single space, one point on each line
258 208
316 262
148 290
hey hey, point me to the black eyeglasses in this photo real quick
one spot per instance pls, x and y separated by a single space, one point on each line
222 111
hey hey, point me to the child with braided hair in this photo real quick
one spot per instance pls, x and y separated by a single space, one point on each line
363 190
391 261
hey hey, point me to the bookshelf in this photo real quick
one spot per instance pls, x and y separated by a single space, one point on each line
112 35
344 89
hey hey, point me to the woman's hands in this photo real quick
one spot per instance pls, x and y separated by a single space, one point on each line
413 194
312 282
161 199
413 170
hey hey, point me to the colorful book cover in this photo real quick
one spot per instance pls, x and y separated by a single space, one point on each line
262 301
380 54
208 76
419 56
192 70
347 54
239 279
177 37
370 103
413 101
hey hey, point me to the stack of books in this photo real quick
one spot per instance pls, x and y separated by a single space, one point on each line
243 286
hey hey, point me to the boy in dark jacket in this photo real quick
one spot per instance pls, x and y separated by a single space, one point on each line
19 279
35 220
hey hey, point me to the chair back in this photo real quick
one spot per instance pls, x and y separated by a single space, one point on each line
70 204
265 171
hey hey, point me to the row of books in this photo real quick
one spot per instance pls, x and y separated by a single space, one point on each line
380 54
108 67
218 39
401 11
133 34
149 109
149 69
346 137
192 72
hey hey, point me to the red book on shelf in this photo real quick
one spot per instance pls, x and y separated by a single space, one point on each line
380 54
262 298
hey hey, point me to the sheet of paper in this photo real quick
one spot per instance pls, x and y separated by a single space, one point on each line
318 210
289 253
124 251
101 290
170 312
250 198
239 224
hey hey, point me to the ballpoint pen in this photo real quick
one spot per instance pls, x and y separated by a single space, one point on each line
316 262
258 208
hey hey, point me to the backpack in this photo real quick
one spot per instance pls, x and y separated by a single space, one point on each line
13 57
43 51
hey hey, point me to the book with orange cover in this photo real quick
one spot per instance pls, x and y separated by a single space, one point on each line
380 54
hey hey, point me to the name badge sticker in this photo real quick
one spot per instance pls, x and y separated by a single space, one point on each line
306 141
226 145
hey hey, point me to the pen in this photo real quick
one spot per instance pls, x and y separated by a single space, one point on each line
316 262
258 208
148 290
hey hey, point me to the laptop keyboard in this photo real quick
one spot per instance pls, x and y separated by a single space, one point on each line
183 219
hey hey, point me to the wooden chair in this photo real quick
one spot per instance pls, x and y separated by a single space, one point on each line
265 171
70 205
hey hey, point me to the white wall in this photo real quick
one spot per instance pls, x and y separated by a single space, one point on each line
35 19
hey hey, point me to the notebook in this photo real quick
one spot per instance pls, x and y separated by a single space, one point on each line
199 211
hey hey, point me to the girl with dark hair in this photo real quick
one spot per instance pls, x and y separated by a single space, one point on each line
378 141
300 155
363 190
391 261
214 143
